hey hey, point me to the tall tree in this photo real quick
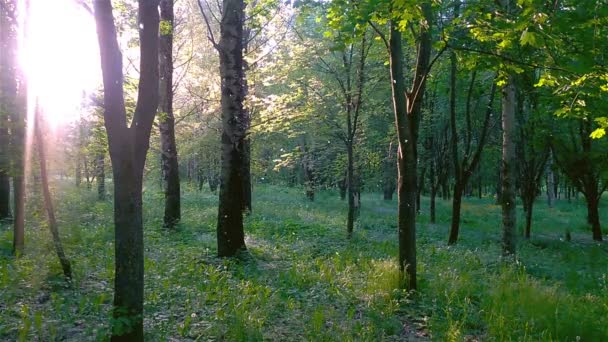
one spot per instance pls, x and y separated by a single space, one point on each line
532 146
407 108
465 165
235 121
169 162
583 160
46 193
128 145
6 97
14 101
507 198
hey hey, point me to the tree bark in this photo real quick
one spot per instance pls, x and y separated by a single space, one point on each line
46 192
407 109
508 201
128 146
235 120
169 161
594 217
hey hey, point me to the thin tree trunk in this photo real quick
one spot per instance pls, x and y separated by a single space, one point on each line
528 206
230 234
456 204
101 177
13 89
78 170
550 181
18 148
388 174
351 191
434 185
48 201
169 162
7 97
508 200
342 187
420 189
594 217
432 209
246 175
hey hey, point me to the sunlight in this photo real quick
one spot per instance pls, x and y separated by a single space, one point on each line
60 56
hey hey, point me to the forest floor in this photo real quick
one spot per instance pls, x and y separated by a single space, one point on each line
302 280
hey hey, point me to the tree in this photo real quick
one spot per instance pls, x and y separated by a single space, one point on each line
128 145
407 108
6 97
532 147
235 122
465 166
169 162
46 192
14 103
583 160
507 198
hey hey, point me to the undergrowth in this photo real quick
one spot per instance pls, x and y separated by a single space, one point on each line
302 280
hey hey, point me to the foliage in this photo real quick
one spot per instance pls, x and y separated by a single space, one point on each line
302 279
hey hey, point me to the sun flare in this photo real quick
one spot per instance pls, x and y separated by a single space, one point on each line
60 56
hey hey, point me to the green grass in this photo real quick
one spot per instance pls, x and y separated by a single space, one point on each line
302 280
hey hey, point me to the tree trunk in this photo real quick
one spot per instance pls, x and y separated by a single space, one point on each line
342 186
78 170
309 179
550 181
230 234
166 125
434 186
479 186
13 89
48 201
101 176
7 97
388 174
5 186
246 175
128 146
420 188
407 109
213 183
350 184
528 206
594 217
432 209
456 204
508 200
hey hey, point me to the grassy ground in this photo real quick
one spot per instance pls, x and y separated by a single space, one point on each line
303 281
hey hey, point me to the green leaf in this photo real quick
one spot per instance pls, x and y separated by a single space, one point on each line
529 38
165 27
598 133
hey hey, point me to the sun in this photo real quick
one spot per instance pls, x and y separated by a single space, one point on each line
60 56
